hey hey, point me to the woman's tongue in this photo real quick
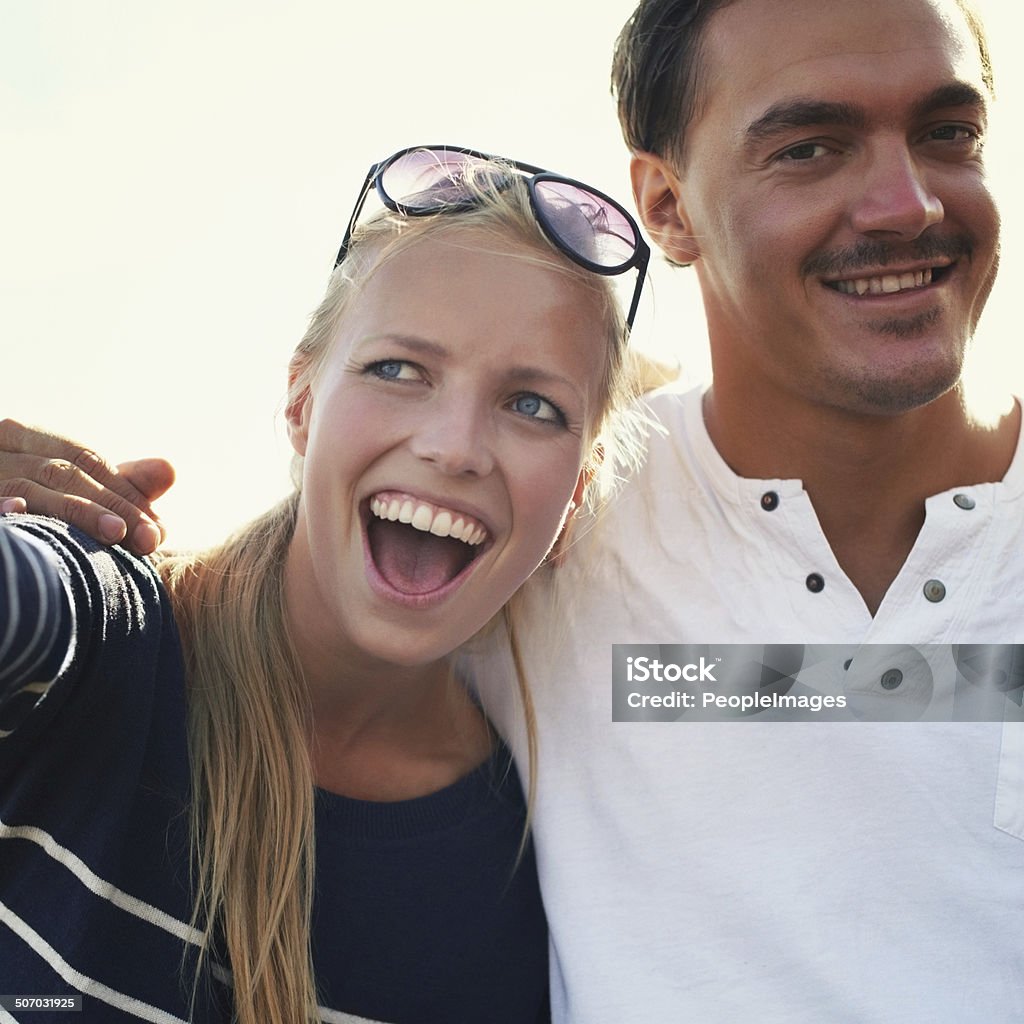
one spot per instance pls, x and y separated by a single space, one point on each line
412 561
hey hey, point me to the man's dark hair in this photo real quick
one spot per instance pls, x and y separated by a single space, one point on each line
657 70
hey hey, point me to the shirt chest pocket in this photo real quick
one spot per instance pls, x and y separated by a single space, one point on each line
1009 815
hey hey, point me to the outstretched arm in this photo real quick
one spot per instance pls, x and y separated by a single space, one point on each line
36 619
51 475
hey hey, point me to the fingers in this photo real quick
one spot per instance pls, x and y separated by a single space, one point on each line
51 475
17 439
150 477
13 505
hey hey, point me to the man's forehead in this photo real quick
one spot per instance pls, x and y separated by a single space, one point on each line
795 18
757 51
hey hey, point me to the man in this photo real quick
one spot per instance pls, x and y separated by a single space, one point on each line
820 165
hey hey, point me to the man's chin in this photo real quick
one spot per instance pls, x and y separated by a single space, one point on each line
907 326
894 395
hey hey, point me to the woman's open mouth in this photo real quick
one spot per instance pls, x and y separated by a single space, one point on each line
418 549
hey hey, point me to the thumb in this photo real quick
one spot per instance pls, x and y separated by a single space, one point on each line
150 477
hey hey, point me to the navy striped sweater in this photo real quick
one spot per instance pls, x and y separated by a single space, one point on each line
418 915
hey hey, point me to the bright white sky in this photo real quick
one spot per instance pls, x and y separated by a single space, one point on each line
176 179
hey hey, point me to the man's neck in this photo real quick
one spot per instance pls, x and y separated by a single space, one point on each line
867 476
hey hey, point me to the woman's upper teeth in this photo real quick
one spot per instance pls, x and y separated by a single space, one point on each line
430 518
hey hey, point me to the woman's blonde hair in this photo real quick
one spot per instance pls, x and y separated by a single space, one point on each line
249 719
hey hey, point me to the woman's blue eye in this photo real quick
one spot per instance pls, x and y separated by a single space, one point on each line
393 369
537 408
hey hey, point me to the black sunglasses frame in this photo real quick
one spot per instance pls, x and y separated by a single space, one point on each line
534 175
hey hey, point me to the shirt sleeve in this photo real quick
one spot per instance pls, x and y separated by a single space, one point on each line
37 622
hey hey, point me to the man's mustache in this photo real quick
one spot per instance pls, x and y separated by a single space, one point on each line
868 254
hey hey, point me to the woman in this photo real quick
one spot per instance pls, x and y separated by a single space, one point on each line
326 828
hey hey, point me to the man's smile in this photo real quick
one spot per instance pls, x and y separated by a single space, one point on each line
888 283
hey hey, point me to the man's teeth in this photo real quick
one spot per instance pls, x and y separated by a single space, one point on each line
887 284
430 519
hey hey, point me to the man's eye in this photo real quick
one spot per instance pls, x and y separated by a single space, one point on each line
535 407
953 133
805 151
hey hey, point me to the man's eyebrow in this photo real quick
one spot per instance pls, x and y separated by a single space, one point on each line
788 114
800 113
954 94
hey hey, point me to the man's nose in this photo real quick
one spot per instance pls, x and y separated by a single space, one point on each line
897 200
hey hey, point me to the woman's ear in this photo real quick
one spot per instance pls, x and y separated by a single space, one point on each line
586 473
556 556
658 195
297 412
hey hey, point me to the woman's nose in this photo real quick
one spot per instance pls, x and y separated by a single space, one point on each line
456 438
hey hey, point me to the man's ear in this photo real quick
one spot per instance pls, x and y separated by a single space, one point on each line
296 414
658 195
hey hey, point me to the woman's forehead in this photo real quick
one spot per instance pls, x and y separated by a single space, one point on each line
469 290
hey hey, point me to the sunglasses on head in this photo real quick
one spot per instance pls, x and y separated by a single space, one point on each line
589 227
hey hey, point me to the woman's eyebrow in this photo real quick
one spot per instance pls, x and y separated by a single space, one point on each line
539 376
522 375
408 341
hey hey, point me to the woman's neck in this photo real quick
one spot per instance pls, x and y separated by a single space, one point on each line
379 731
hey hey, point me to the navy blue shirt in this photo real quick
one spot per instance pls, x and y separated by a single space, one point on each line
420 912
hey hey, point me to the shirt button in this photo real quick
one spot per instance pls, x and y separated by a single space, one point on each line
769 501
815 583
964 501
935 591
891 679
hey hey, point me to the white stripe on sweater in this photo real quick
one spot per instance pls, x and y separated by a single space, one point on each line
85 985
130 904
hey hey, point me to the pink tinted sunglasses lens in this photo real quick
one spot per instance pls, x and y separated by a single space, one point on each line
587 224
426 179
